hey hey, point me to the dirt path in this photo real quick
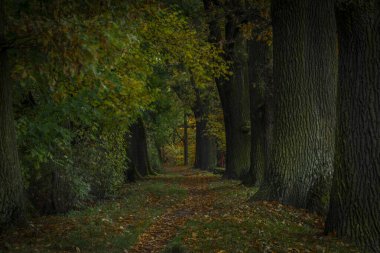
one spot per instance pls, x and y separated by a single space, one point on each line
200 200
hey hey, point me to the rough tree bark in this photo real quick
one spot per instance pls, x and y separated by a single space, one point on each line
258 53
305 76
234 92
11 188
355 197
137 152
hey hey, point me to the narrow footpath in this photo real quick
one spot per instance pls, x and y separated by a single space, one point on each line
198 202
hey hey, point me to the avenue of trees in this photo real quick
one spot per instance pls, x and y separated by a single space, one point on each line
94 94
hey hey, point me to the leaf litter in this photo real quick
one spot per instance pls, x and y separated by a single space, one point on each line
186 209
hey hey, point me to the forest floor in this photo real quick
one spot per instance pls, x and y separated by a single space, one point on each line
183 210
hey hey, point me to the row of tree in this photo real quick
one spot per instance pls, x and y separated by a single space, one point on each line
314 123
93 79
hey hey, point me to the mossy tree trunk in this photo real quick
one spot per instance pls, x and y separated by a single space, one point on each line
355 197
137 151
11 187
305 77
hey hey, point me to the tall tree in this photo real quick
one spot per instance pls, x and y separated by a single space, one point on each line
234 92
355 199
305 76
258 53
205 144
11 190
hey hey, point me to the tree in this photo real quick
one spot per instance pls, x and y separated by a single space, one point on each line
305 60
137 151
11 191
234 91
259 53
355 197
202 99
205 144
185 141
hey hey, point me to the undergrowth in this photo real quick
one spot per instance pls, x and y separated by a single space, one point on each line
112 226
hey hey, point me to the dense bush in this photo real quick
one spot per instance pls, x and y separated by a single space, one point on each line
65 163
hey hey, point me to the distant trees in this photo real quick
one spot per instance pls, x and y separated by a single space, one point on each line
202 100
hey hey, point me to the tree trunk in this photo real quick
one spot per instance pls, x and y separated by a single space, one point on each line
305 76
205 145
258 53
355 197
185 141
11 187
235 102
137 152
62 195
233 93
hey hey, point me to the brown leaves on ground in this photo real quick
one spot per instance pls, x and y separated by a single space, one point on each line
199 200
232 223
186 209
